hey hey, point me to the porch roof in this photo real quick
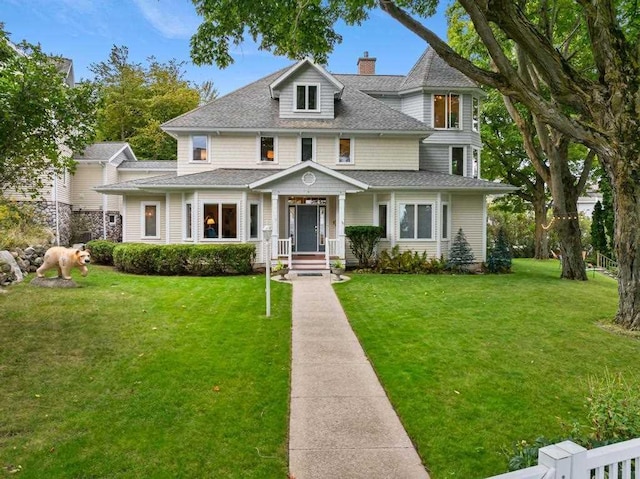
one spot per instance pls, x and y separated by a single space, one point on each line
228 178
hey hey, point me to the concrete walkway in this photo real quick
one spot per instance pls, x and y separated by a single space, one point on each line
342 424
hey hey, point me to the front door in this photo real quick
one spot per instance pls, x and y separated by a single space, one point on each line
307 228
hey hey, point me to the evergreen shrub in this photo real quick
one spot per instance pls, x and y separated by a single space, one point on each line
363 241
189 260
101 251
460 255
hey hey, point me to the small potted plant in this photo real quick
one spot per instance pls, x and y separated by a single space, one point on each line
280 269
337 268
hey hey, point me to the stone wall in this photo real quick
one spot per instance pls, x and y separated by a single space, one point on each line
87 225
28 260
46 212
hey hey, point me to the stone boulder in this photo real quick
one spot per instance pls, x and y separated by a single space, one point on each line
14 273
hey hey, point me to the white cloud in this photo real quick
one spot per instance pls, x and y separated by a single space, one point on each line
172 18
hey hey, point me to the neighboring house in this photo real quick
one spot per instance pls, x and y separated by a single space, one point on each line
97 216
309 152
587 202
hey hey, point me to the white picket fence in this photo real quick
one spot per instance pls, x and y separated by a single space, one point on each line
568 460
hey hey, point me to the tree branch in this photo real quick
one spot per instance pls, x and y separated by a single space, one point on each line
586 170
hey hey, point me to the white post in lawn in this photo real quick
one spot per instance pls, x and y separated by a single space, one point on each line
267 262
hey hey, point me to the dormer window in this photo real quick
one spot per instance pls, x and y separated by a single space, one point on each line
446 111
307 97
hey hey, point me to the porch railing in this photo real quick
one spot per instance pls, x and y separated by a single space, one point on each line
604 262
567 460
284 250
332 250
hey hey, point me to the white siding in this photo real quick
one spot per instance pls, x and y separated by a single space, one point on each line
385 153
307 75
467 213
85 178
113 201
413 105
176 218
358 211
324 185
394 102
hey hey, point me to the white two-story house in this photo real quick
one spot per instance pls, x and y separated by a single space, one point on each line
309 152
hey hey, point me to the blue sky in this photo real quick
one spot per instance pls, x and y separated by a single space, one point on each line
85 30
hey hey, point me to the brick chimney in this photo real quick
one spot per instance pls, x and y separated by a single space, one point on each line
366 65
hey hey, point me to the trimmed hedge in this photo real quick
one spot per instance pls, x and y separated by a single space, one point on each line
101 251
184 260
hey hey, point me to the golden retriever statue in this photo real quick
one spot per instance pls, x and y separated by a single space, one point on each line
64 259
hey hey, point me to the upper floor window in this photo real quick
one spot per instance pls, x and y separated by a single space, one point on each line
307 97
307 148
475 157
475 114
199 148
267 148
457 160
446 111
345 150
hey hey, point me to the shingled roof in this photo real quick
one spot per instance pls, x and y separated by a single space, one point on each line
252 107
104 151
431 71
242 178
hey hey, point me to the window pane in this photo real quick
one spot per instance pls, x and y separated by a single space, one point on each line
439 111
307 149
300 98
454 111
253 221
445 221
345 150
188 222
457 161
313 97
229 221
267 150
382 219
199 148
476 115
424 221
150 220
211 224
476 162
407 221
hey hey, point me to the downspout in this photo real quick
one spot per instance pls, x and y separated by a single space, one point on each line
104 202
55 200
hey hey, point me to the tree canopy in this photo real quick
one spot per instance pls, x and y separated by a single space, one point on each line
137 99
42 120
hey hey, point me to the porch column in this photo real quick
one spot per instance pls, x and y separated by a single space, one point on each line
274 226
341 236
438 232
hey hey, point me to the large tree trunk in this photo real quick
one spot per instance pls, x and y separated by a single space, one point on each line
625 182
539 203
565 210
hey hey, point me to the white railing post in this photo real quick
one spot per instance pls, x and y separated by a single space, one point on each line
290 252
565 460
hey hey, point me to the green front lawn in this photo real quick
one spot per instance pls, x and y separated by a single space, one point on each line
133 376
474 363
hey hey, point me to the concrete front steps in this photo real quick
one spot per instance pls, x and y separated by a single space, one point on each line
307 262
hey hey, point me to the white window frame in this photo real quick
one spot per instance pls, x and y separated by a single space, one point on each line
115 219
200 162
306 86
474 150
475 114
258 221
447 113
219 203
352 151
448 216
184 224
464 159
415 219
143 225
313 148
259 150
384 203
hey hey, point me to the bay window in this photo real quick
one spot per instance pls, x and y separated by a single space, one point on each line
446 110
220 220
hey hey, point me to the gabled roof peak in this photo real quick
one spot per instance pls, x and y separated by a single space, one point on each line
273 87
